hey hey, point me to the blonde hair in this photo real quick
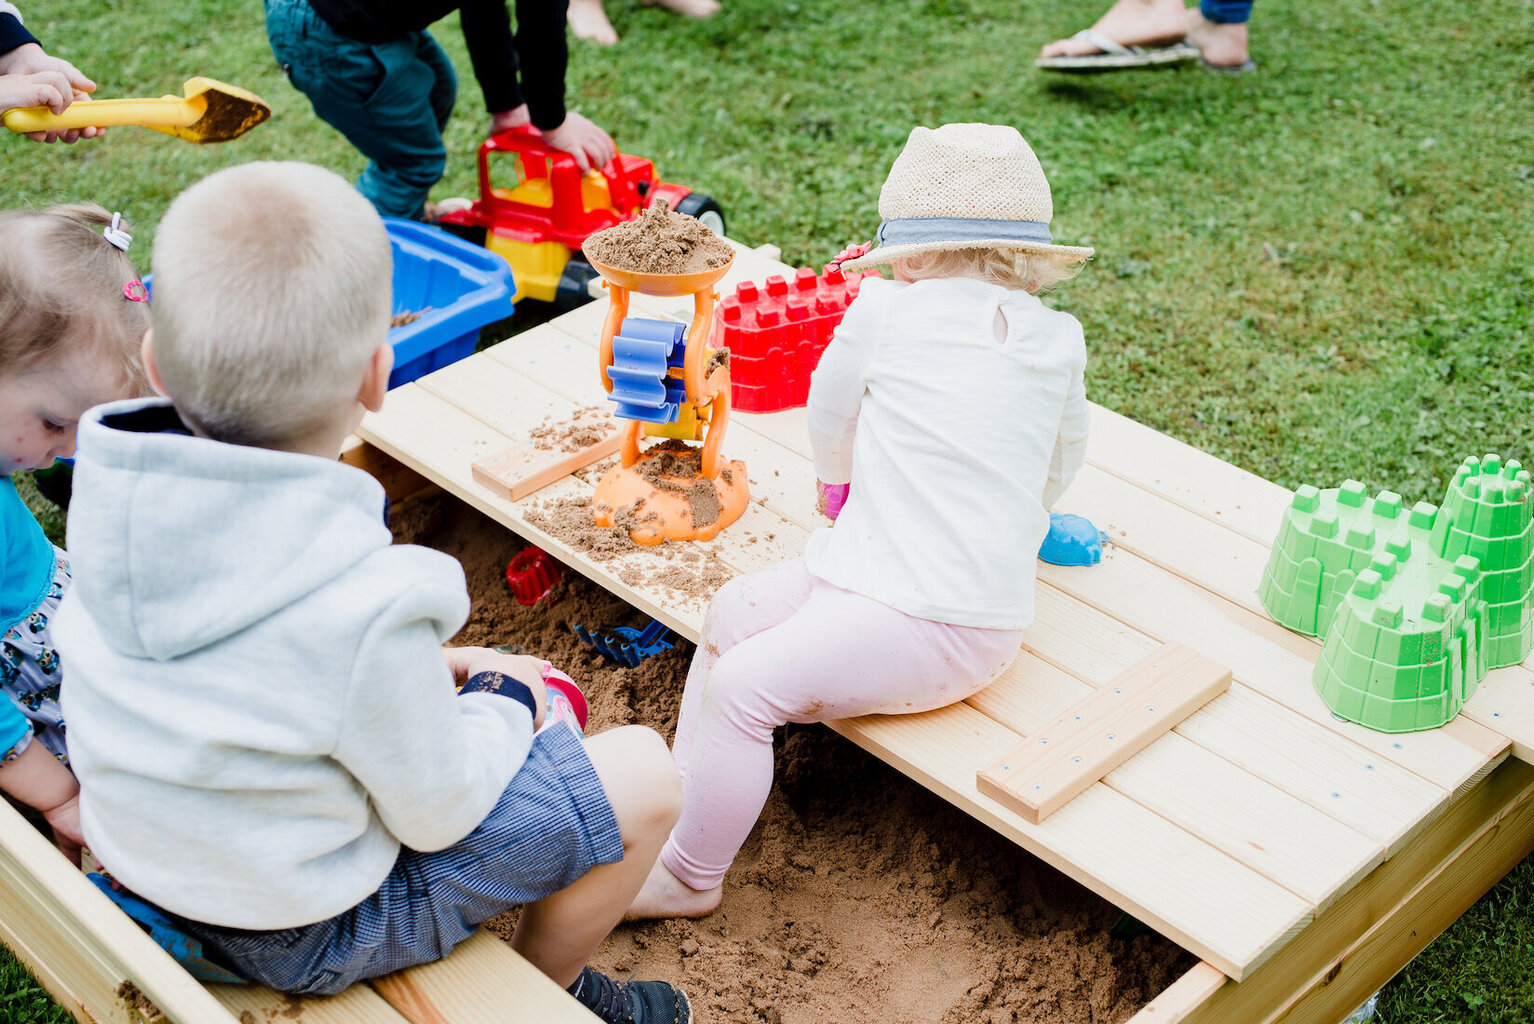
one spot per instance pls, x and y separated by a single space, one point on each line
272 291
62 288
1019 269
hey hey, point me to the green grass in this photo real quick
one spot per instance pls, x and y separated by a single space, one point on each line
1322 270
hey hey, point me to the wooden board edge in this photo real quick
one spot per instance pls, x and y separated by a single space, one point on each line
488 471
1419 917
483 979
1497 818
1181 998
79 944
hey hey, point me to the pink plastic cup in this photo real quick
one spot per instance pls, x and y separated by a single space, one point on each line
566 702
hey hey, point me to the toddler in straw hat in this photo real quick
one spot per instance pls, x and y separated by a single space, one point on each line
952 402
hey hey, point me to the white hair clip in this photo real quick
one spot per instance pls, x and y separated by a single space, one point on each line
114 233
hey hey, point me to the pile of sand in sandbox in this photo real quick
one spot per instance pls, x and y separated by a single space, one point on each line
659 241
860 897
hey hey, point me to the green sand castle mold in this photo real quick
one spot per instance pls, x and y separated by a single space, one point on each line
1414 605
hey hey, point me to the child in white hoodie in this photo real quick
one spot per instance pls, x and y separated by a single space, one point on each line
263 720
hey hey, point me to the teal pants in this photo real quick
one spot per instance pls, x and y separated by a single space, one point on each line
391 100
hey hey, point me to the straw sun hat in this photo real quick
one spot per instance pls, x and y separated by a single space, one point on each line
964 186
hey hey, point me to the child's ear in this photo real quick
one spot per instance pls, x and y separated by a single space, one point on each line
151 371
375 383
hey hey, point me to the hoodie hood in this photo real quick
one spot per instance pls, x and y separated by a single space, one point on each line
191 540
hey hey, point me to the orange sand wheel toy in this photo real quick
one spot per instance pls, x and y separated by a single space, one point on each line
668 383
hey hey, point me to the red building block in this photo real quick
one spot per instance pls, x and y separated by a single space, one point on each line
776 331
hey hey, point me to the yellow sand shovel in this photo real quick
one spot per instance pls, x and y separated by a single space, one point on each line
209 111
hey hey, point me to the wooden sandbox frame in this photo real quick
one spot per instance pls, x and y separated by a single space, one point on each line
1309 949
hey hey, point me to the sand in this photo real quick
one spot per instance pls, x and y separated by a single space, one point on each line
659 241
860 898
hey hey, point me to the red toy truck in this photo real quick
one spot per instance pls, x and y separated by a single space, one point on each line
539 209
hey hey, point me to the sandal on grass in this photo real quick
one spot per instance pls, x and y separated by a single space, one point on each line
1229 69
1116 56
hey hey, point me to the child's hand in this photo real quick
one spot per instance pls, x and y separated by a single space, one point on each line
31 78
830 498
582 139
516 117
525 669
65 822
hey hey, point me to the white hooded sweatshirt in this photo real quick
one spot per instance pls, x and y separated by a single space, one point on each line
257 705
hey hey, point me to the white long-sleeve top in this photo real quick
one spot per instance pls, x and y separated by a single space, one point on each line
957 411
259 711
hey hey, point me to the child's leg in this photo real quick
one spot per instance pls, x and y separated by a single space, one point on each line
559 933
840 655
570 841
384 98
742 608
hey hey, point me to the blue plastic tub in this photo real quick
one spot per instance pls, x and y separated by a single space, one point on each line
465 286
457 288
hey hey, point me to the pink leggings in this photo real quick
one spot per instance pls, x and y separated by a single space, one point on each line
783 646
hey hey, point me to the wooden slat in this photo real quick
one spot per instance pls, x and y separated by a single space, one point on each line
78 943
1476 841
525 467
1311 854
483 980
1103 730
1407 928
1504 703
1182 997
1163 875
1264 656
1253 507
1193 479
357 1005
1304 758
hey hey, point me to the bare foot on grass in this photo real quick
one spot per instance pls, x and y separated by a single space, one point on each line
689 8
589 21
1129 23
1223 46
665 895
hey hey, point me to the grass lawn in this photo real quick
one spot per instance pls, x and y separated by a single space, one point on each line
1321 270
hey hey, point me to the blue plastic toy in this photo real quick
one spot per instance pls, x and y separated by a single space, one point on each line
1072 540
643 352
456 287
625 644
186 950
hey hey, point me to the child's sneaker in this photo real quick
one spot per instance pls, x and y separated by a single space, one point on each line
632 1002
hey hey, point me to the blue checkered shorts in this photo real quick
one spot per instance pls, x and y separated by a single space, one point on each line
552 825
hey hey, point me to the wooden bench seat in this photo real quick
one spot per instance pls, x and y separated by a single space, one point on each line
101 966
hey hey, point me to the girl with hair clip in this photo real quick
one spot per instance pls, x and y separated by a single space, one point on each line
72 316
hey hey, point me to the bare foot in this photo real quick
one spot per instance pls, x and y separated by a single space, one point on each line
589 21
665 895
1223 45
1129 23
690 8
